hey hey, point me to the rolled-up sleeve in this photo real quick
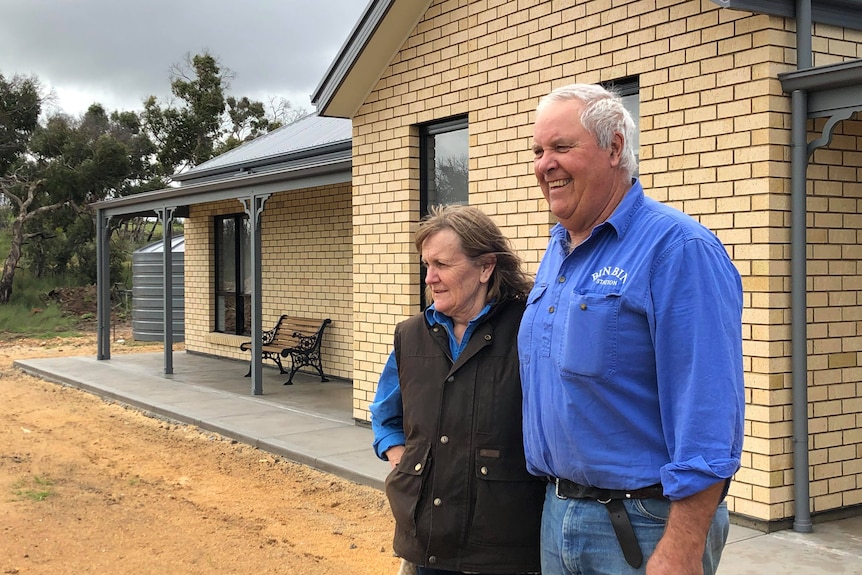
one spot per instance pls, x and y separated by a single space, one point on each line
698 341
387 414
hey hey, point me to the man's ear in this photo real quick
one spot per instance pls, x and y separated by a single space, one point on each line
617 146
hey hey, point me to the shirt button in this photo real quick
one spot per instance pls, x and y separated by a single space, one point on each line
418 466
583 306
551 309
444 439
438 502
561 279
484 471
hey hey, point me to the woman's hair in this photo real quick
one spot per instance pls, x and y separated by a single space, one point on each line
479 237
603 115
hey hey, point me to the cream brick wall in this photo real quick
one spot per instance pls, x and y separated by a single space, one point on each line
306 267
834 314
714 143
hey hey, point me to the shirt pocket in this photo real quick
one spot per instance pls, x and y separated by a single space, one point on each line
525 333
589 345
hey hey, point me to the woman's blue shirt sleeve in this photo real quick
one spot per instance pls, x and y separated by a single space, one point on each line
387 414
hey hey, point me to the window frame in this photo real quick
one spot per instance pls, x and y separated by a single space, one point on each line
427 167
427 133
242 320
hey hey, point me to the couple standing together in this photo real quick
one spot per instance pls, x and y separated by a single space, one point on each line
586 423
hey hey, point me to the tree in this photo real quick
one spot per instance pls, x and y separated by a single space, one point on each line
186 135
20 106
51 172
66 164
202 122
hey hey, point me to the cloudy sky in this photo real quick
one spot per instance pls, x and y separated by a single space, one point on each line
117 52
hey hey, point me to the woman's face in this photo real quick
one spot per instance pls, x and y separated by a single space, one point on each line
459 285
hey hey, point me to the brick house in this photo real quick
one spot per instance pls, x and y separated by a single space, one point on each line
745 123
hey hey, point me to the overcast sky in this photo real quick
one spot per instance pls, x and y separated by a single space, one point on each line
118 52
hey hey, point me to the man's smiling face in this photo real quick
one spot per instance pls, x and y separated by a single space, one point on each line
576 176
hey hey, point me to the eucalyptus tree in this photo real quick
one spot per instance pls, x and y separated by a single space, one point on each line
201 121
67 163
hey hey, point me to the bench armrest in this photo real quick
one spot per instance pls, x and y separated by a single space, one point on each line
304 342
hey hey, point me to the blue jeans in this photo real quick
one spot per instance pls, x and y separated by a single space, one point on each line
578 538
430 571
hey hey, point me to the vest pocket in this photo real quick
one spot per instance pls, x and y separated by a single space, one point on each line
403 485
508 505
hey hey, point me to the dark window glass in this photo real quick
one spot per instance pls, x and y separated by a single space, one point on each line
444 159
233 275
443 155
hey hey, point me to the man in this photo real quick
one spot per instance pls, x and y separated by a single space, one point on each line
631 358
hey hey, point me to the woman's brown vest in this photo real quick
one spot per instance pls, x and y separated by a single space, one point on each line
461 495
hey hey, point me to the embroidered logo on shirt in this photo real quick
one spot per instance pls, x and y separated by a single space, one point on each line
610 275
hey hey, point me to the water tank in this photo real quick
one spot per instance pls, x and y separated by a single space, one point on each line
148 315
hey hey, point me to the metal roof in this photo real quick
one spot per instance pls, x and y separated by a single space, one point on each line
311 135
178 245
313 151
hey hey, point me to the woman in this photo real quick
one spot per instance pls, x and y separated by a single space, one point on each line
447 414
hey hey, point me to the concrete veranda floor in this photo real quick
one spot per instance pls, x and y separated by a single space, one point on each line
311 422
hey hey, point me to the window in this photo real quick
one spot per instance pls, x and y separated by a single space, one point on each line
444 173
233 275
443 154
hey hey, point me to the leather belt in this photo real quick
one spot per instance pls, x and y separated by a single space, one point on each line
613 499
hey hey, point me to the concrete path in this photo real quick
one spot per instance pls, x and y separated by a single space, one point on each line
311 422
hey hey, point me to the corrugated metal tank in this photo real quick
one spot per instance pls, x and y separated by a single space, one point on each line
148 314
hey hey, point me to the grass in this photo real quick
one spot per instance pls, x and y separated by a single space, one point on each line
29 313
36 489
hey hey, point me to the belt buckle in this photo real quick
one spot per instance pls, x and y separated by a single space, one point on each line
557 489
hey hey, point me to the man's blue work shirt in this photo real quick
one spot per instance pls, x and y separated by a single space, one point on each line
631 355
386 411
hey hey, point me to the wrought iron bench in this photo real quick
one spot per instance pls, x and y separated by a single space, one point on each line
296 337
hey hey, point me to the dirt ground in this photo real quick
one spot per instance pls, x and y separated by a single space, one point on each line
89 486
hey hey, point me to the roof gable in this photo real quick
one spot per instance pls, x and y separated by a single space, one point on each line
375 40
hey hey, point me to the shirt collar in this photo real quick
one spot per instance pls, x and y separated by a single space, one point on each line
433 317
619 219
